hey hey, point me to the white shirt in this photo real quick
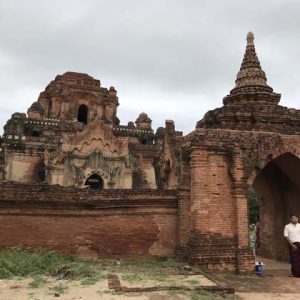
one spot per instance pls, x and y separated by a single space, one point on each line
292 231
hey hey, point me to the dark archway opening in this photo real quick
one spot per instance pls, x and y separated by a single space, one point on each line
95 182
277 191
39 172
82 114
35 133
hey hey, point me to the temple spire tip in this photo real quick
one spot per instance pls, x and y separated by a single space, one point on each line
250 38
251 73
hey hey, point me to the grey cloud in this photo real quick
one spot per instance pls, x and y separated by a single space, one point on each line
184 54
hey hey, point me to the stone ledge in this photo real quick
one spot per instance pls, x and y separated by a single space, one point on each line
115 284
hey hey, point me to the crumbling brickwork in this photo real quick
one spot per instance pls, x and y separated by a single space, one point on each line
118 223
151 193
250 141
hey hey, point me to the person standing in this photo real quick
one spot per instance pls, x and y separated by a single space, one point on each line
292 234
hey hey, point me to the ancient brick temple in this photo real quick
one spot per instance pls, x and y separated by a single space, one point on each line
74 180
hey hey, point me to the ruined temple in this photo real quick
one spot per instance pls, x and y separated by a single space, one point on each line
74 180
72 136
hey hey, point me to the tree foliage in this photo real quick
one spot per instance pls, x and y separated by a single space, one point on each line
253 206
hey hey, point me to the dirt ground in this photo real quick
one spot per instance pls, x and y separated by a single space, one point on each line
20 289
66 290
274 283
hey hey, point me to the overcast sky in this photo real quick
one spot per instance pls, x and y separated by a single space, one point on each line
172 59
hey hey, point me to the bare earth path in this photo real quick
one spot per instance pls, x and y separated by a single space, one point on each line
50 288
274 284
19 290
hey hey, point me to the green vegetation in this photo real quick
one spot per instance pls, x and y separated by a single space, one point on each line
152 267
204 295
174 291
37 282
253 206
18 263
173 287
158 277
193 282
131 278
22 262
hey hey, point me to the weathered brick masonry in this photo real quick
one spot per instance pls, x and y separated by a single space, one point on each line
153 193
250 141
119 223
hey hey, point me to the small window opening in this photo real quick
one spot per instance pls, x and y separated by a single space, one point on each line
82 114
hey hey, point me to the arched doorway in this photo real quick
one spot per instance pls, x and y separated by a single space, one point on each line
82 114
95 182
277 189
35 133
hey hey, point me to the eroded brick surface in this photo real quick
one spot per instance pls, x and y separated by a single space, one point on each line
89 224
162 192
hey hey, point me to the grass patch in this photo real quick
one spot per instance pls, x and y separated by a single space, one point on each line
60 288
37 282
19 263
93 280
159 277
204 295
131 278
155 268
193 282
116 293
153 264
174 292
22 262
173 287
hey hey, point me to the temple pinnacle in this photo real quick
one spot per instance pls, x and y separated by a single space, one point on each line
250 38
250 73
251 79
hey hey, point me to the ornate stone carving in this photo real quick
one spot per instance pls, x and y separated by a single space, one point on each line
53 158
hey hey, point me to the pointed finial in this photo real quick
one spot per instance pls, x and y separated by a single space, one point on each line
250 38
251 79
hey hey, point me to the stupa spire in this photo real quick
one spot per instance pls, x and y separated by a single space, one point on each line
250 38
251 79
250 73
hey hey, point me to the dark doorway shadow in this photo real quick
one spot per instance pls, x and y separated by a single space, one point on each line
95 182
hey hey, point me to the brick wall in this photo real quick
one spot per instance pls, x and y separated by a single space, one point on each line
213 241
224 164
118 223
